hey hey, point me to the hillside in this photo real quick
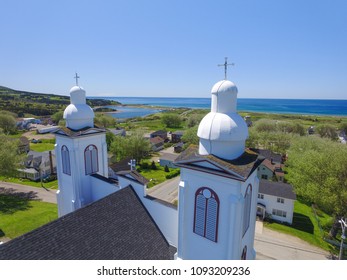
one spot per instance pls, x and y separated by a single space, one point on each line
39 104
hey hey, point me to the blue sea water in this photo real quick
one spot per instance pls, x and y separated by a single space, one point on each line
290 106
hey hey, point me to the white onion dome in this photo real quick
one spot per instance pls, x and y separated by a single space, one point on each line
78 114
223 132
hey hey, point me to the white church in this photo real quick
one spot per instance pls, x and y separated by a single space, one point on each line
103 217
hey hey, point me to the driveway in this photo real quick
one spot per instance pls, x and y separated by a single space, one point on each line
273 245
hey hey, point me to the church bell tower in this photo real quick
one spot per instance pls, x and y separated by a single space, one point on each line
219 185
81 151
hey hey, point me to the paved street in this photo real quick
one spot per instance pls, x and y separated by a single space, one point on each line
167 191
42 194
272 245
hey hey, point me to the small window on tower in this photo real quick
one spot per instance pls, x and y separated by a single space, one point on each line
65 158
91 159
206 213
247 209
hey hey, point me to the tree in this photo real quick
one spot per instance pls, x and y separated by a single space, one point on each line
10 159
153 165
190 137
8 123
171 120
194 120
110 137
134 146
104 120
264 125
56 117
327 131
317 168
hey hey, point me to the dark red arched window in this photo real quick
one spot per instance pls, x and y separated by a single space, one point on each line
206 213
247 209
91 159
65 159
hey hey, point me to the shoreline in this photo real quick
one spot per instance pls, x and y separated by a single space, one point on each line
168 108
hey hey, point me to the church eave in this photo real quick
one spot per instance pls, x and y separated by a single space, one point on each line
64 131
221 173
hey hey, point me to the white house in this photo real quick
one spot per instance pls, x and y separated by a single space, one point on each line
114 218
38 165
276 200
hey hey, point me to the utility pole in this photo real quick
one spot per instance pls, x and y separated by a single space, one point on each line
343 236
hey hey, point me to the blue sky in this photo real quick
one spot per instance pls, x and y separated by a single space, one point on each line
281 49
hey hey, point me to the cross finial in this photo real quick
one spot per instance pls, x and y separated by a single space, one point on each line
76 77
132 164
226 67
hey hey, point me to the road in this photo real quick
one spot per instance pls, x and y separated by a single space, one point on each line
41 193
167 191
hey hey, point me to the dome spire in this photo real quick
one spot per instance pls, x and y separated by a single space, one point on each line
223 132
226 64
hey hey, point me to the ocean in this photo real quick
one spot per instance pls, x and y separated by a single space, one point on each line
279 106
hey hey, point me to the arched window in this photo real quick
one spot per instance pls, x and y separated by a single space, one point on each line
91 159
247 209
206 213
244 253
65 158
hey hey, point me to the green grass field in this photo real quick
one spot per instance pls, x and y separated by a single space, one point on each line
19 216
41 147
48 185
305 226
155 176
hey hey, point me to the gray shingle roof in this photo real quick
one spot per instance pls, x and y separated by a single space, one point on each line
269 155
243 166
277 189
115 227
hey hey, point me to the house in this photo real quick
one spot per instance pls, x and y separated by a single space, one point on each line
176 136
273 157
248 121
276 200
106 218
157 143
269 169
24 145
161 133
168 159
178 147
24 123
38 165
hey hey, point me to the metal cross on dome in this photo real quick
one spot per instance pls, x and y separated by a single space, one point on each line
226 67
132 164
76 77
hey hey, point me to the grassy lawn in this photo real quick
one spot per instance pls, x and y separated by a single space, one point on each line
49 185
41 147
305 226
155 176
20 215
